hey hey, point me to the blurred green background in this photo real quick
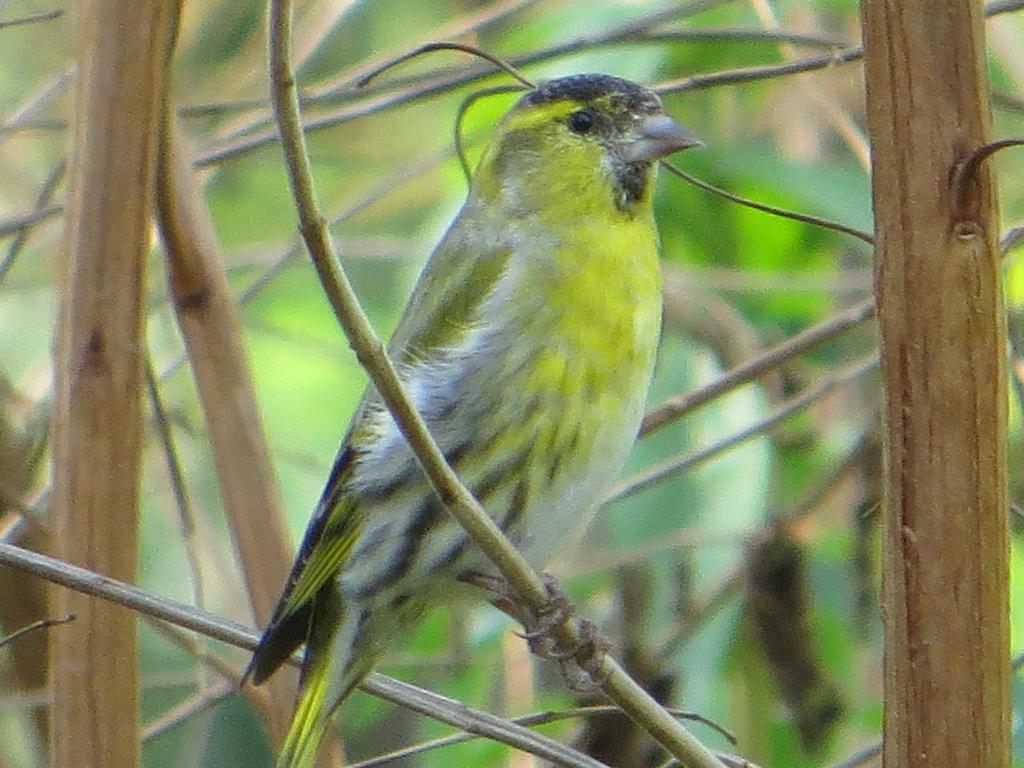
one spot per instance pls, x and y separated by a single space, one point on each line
776 637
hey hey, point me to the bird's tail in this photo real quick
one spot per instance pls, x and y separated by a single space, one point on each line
312 714
334 665
319 698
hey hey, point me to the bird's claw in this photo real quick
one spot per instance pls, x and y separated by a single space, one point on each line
588 657
539 624
581 662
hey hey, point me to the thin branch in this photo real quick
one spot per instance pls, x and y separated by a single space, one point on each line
737 35
219 666
15 225
30 699
966 171
53 180
679 406
24 116
472 50
35 626
637 32
237 146
32 19
532 720
183 505
16 527
32 124
432 705
729 761
199 702
460 115
861 757
186 515
804 218
30 511
480 723
672 467
808 64
809 501
764 72
1007 100
13 527
371 353
1003 6
1014 237
632 33
852 283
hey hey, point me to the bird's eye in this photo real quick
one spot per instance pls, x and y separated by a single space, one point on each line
581 121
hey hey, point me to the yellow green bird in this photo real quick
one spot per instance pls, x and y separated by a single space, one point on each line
527 346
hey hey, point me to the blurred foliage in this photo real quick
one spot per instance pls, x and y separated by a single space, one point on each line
776 140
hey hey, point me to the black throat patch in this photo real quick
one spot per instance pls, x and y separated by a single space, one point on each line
630 183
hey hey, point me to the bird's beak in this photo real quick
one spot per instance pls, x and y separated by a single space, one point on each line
657 136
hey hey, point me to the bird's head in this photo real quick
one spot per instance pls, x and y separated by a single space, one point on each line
589 141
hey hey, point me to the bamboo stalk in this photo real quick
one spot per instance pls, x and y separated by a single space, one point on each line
210 324
97 424
945 603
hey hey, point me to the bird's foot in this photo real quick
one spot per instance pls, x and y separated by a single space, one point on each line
581 660
589 658
539 624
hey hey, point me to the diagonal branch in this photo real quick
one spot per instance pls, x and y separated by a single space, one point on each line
680 405
434 706
674 466
370 351
209 322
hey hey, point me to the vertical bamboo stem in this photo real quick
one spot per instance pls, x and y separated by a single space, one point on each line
943 346
212 330
97 425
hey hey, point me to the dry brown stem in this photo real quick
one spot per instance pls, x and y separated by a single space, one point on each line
945 603
209 322
121 46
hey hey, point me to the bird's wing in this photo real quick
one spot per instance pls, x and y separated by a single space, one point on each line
455 281
329 538
458 277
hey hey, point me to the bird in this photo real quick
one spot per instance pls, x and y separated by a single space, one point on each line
528 345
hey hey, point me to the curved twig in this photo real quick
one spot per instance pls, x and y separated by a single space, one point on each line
371 353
